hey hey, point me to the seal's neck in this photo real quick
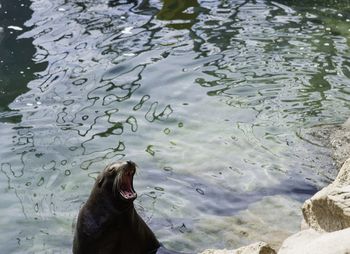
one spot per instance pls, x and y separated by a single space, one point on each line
107 202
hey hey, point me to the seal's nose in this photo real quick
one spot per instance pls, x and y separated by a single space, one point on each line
131 164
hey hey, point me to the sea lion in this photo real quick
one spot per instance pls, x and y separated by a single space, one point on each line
108 222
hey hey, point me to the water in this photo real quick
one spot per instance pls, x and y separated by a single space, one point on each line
210 98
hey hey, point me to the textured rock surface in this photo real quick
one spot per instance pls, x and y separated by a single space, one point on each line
255 248
340 143
329 209
314 242
336 137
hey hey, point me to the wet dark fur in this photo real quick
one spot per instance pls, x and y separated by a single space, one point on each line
108 224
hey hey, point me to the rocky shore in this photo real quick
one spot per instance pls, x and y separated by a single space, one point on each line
325 228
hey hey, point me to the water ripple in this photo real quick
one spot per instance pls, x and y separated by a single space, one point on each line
207 97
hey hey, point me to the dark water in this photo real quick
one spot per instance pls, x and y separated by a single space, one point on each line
209 98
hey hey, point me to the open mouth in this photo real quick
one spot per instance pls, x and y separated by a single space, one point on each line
126 188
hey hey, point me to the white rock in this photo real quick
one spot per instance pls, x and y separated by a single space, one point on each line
340 143
314 242
255 248
347 124
329 209
213 251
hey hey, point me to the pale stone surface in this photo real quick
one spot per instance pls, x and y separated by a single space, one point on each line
336 137
329 209
212 251
255 248
347 124
340 143
314 242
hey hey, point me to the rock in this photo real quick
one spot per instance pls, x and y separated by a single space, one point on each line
255 248
336 137
347 124
294 243
329 209
340 143
314 242
212 251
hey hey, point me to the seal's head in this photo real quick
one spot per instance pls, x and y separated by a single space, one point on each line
117 180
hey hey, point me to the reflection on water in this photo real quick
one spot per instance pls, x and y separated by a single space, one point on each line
179 10
15 74
209 98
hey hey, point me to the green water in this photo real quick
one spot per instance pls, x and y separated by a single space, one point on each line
212 99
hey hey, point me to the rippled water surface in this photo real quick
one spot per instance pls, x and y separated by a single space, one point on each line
209 98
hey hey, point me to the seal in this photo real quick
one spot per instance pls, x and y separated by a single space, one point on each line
108 222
